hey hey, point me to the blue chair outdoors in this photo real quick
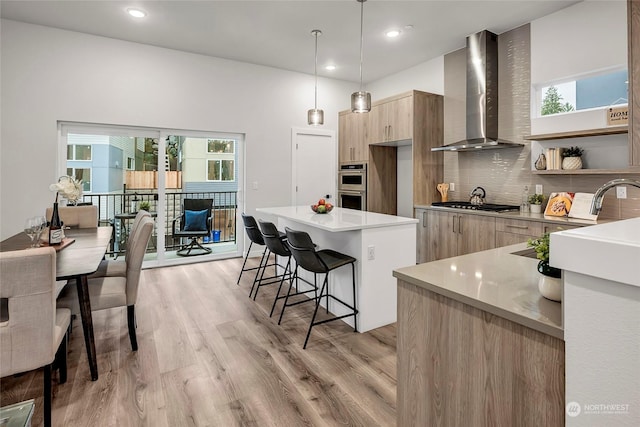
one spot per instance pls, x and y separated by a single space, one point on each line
193 223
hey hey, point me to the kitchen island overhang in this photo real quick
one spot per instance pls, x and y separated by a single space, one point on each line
392 239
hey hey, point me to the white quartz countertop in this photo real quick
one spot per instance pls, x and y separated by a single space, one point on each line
495 281
339 219
608 251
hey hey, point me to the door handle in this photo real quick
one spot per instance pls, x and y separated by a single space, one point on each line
454 223
460 224
389 138
424 219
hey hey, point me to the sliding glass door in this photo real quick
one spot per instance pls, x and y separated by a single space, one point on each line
125 169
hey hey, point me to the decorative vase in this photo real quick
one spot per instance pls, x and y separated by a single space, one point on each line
572 163
550 281
541 163
535 208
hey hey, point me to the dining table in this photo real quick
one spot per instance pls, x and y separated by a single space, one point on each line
78 257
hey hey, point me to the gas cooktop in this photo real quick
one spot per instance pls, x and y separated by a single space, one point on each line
483 207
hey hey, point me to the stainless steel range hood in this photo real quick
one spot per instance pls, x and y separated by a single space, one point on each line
482 97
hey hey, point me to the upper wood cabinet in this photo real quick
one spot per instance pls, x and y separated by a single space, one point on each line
351 137
412 118
391 120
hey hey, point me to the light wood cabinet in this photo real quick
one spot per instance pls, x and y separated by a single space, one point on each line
351 137
414 118
512 231
444 234
459 365
391 120
633 28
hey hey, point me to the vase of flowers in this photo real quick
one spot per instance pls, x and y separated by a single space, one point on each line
535 202
550 280
572 158
69 188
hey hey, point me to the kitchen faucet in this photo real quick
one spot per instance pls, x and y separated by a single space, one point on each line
596 203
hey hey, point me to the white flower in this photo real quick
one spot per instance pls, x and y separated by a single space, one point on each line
68 187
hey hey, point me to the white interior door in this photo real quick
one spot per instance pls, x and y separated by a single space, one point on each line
314 157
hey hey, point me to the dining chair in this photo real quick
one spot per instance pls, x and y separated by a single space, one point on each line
33 332
113 268
76 216
116 291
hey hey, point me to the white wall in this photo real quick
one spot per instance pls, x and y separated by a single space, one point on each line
585 38
48 75
427 77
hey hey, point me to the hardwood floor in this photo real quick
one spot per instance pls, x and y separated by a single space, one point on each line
210 356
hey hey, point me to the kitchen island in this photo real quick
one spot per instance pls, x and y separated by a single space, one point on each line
478 344
380 243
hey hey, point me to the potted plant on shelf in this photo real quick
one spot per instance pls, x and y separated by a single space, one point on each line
572 158
550 282
535 200
144 206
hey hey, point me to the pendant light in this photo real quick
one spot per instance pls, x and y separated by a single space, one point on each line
361 100
314 116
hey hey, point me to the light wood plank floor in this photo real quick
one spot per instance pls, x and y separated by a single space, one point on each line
210 356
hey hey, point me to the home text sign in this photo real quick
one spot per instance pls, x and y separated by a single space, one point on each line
618 116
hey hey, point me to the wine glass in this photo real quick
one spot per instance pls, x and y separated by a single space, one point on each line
41 223
31 229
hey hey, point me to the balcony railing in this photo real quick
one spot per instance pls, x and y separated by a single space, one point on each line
112 207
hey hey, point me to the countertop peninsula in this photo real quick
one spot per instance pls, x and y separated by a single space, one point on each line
379 243
495 281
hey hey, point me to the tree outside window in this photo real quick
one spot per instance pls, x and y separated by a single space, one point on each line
552 103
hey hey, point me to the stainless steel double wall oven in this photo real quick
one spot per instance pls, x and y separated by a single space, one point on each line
352 186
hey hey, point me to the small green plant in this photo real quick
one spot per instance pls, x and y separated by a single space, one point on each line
541 246
144 206
536 199
572 152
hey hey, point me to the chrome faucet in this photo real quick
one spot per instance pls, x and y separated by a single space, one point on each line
596 203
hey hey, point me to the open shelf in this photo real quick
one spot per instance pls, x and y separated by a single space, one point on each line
615 130
629 171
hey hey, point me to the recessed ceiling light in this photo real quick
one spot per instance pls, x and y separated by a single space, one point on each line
330 67
392 33
136 13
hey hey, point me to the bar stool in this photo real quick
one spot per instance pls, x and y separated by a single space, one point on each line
323 261
277 245
253 232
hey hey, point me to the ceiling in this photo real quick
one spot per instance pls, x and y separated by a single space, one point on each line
278 33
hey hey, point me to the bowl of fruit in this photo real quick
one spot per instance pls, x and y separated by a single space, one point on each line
322 207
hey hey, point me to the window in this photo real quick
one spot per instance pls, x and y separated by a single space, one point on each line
82 174
131 163
78 152
221 146
220 170
592 91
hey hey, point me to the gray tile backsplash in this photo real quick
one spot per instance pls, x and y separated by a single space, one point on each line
504 173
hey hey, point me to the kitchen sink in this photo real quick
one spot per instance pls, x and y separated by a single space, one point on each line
529 253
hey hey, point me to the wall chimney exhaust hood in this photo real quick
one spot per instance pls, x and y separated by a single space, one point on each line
482 97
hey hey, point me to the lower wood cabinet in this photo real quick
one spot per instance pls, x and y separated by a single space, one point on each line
512 231
443 234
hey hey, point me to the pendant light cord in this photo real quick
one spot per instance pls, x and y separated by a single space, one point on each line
315 72
361 37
